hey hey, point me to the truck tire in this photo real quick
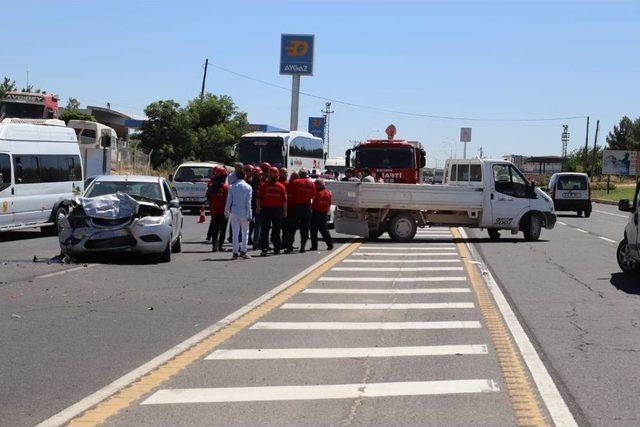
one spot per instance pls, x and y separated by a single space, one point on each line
626 262
374 234
494 233
587 212
532 228
402 228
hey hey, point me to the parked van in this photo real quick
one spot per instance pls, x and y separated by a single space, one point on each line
95 141
628 253
190 183
40 172
571 191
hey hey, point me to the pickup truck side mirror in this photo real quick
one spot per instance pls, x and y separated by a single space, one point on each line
347 158
624 206
170 177
174 203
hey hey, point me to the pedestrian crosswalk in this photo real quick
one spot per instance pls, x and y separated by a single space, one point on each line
393 327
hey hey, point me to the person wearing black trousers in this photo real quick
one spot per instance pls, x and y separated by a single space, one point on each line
301 193
272 206
320 210
217 196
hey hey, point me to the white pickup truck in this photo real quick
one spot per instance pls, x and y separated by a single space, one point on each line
478 193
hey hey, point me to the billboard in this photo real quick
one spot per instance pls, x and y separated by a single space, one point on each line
296 54
316 126
621 162
465 134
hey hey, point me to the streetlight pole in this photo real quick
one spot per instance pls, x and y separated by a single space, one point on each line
327 112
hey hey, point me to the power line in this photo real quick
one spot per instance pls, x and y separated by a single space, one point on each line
389 110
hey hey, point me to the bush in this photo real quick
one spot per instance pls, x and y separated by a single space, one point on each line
597 186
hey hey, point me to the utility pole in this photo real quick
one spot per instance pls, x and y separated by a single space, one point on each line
585 166
595 150
204 77
326 113
481 152
565 143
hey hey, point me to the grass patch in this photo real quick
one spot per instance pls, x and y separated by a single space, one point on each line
620 192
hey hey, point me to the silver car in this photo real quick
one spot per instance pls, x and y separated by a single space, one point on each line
124 213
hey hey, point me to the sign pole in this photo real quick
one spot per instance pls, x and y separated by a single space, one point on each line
464 153
295 99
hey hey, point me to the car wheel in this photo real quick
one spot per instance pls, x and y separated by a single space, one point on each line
579 212
166 255
533 228
402 228
494 233
626 262
177 245
58 216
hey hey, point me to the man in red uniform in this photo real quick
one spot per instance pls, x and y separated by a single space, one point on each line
301 193
272 207
217 195
320 211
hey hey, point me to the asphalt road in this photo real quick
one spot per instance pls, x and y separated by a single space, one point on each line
69 334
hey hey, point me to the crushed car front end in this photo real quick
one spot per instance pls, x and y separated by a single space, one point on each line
115 223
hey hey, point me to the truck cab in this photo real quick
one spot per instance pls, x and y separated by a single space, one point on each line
628 253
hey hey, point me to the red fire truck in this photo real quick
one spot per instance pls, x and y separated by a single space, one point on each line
398 160
26 105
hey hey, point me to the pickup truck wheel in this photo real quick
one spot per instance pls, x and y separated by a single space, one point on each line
532 228
402 228
626 262
494 233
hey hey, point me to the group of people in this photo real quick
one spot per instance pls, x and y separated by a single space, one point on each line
364 176
265 208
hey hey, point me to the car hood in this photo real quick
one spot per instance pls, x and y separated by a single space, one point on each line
117 206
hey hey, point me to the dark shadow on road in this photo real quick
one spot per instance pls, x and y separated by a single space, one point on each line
11 236
569 216
627 283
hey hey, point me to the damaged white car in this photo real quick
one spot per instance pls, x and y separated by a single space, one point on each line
124 213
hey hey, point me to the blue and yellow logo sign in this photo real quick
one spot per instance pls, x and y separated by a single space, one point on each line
296 54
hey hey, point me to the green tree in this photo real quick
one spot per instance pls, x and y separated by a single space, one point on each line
625 135
205 129
7 85
75 114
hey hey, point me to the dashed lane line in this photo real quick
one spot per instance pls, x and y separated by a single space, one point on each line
373 306
332 353
316 392
611 213
606 239
366 326
392 279
581 230
394 291
98 407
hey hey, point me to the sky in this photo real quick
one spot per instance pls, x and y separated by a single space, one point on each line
474 60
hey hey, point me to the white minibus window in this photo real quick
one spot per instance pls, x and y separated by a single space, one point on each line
5 171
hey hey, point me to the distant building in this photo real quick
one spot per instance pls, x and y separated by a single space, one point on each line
120 122
536 165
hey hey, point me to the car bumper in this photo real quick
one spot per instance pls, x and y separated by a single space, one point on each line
193 204
133 238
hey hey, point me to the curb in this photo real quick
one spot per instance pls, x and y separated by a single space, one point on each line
605 202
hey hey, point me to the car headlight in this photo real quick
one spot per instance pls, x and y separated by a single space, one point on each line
151 220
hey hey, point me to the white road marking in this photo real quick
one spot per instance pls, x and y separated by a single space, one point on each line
449 247
331 353
557 407
400 261
397 269
313 392
387 291
393 279
581 230
405 254
606 239
78 408
383 306
434 235
612 214
561 223
69 270
366 326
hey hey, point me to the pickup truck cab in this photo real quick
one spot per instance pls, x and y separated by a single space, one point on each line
570 191
628 253
478 193
190 183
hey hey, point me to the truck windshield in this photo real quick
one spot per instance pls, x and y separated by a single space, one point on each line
385 158
22 110
572 183
257 150
193 174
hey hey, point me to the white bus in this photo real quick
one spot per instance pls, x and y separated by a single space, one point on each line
95 141
293 150
40 172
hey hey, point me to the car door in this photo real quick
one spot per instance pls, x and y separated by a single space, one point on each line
175 212
509 196
6 191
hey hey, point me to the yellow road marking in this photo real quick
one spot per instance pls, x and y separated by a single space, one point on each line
522 395
134 392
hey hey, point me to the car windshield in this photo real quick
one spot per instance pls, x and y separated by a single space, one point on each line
572 183
385 158
149 190
257 150
193 174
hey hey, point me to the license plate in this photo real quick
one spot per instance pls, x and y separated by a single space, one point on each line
569 195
